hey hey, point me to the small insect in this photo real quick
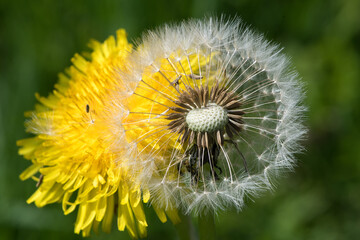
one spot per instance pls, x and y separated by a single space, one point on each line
88 111
176 82
41 178
194 76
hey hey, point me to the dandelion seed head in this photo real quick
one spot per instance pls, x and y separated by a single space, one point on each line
221 114
207 119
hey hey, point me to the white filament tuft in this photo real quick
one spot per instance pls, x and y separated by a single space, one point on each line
271 95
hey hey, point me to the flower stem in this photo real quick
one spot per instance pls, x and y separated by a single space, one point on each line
185 228
207 227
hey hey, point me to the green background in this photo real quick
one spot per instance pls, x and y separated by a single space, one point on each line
320 200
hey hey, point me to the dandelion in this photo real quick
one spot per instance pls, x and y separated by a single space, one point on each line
79 149
215 116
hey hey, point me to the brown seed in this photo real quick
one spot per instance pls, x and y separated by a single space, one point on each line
194 76
173 116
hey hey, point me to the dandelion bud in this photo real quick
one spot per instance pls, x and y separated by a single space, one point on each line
215 115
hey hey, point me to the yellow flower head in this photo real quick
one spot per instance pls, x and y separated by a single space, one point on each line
80 149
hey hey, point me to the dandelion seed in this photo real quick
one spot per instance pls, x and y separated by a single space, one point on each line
214 97
79 148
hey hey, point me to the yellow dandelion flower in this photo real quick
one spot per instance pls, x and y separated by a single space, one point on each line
79 148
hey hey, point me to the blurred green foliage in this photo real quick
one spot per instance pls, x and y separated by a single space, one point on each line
320 200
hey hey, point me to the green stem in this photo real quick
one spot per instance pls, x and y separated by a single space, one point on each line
207 227
185 228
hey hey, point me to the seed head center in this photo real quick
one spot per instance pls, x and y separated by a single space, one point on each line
207 119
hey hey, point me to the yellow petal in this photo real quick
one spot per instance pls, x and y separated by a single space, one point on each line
101 208
107 221
173 215
126 218
146 195
138 210
53 195
65 203
160 213
124 194
85 217
34 196
30 171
